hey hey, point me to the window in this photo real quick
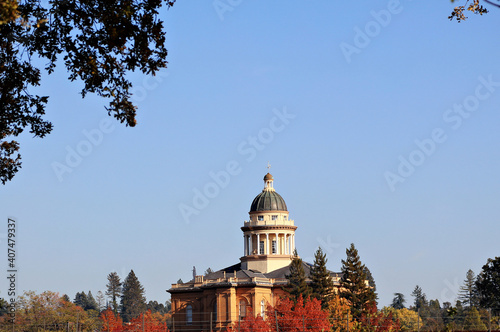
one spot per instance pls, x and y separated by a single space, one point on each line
261 248
274 246
189 315
274 217
243 308
215 311
260 218
263 309
284 217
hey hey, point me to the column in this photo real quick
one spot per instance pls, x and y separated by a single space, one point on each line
250 246
293 242
258 244
287 238
245 245
267 252
277 244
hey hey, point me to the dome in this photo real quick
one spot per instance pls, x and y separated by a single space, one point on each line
268 201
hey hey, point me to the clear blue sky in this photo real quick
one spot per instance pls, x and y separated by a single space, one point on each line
361 110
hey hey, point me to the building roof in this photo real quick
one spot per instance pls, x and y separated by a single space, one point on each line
268 201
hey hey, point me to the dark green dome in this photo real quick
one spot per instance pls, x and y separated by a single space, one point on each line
268 200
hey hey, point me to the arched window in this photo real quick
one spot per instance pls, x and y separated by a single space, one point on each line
243 308
189 315
263 309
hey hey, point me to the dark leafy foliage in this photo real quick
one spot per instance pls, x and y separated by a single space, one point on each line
98 41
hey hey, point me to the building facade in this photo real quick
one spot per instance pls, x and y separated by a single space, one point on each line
221 298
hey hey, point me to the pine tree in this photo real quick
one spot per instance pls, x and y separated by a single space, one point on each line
488 285
468 292
398 302
354 284
114 290
80 299
133 301
297 284
101 301
91 303
420 298
322 283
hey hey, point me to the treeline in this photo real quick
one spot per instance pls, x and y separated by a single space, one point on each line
314 304
123 307
477 307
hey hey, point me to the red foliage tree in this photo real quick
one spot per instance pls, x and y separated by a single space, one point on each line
377 321
151 323
302 316
251 323
110 322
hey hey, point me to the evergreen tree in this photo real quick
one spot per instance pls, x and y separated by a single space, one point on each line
297 284
101 301
488 285
468 292
80 299
354 285
420 298
114 290
133 301
371 281
91 303
66 298
398 302
322 283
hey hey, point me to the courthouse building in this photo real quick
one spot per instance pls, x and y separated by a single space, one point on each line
214 301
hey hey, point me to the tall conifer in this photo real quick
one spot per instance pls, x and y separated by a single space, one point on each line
133 302
297 284
114 290
321 282
354 284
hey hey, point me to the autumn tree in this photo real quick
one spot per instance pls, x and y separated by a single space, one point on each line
488 285
354 285
297 285
34 311
251 323
98 42
377 321
299 316
133 301
472 321
110 322
340 314
321 282
114 290
472 6
408 319
146 322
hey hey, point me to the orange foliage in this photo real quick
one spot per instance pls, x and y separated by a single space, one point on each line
340 313
110 322
377 321
251 323
152 323
302 316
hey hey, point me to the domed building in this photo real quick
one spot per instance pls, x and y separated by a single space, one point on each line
214 301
